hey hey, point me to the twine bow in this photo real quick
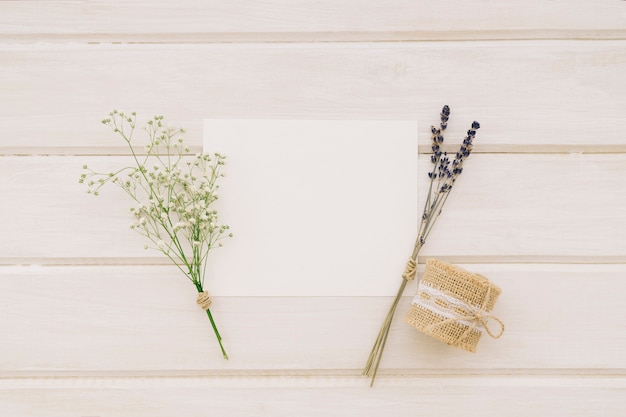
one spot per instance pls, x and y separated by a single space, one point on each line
409 270
478 317
204 300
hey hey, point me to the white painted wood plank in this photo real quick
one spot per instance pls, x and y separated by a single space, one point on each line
537 207
158 397
513 205
284 20
555 95
302 355
141 320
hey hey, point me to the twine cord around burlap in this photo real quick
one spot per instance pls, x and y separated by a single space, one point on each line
204 300
410 270
479 318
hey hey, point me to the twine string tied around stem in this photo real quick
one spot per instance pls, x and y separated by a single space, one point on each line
410 270
204 300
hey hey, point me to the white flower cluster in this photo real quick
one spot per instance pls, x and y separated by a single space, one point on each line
174 192
182 203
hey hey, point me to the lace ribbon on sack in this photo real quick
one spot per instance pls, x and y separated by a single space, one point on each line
455 310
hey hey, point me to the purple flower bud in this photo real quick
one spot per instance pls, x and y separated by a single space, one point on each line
475 125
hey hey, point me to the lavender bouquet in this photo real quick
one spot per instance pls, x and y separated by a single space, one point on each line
443 176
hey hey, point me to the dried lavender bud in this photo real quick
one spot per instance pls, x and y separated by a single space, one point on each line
445 113
443 170
475 125
471 133
433 159
433 130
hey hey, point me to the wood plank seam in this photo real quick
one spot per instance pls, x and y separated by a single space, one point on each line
315 37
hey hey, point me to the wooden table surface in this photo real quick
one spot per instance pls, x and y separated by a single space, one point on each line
93 325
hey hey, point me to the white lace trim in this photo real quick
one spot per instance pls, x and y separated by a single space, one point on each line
452 308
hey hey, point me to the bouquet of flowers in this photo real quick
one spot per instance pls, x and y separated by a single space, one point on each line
443 176
173 193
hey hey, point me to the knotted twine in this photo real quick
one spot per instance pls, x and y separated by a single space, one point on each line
454 305
409 270
204 300
478 318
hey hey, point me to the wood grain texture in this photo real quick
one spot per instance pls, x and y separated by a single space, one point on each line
547 96
93 325
308 20
556 208
142 320
159 397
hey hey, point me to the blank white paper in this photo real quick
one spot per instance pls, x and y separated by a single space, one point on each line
317 207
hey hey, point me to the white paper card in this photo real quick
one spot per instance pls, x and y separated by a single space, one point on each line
317 208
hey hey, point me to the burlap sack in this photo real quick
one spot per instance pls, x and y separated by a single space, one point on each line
454 306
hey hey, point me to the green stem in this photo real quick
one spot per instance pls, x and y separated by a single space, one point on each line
217 333
371 368
208 313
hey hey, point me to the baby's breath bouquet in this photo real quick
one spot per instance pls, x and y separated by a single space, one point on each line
173 193
443 176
